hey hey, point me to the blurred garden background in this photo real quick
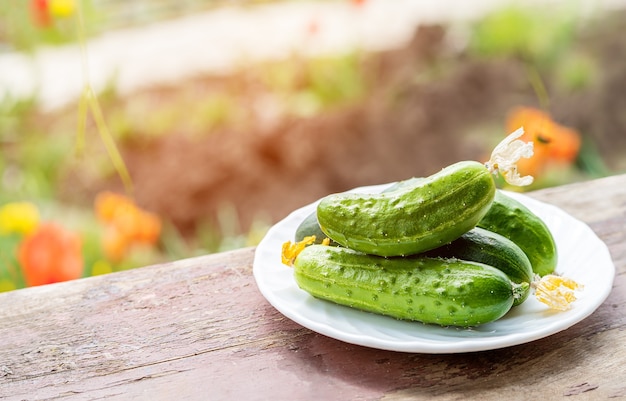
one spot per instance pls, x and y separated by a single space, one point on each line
134 133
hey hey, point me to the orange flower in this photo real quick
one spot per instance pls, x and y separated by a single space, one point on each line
114 244
148 229
553 143
108 204
126 224
49 255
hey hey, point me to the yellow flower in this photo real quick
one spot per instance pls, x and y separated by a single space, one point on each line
290 251
557 292
61 8
18 217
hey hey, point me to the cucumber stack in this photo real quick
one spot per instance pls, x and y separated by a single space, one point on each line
449 249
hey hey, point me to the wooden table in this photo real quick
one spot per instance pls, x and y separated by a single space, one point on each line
199 329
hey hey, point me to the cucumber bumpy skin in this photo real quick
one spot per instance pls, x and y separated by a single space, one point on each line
414 218
484 246
309 226
430 290
511 219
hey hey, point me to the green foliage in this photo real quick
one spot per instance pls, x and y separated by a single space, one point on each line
336 80
226 233
30 160
10 273
146 116
294 87
14 113
575 71
311 86
544 40
540 37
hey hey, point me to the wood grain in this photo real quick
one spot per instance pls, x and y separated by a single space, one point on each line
198 329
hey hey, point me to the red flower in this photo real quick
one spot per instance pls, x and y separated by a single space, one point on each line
49 255
40 13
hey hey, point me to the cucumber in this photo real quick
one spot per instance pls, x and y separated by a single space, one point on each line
447 292
413 219
483 246
309 226
511 219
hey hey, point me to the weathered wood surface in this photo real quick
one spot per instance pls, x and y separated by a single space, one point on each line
198 329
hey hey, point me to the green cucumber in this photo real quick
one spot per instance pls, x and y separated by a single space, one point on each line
309 226
484 246
412 219
447 292
511 219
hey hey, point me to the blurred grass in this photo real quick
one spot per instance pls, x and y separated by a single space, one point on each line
31 163
538 37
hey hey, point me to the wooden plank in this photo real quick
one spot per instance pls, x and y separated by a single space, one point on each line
590 201
199 329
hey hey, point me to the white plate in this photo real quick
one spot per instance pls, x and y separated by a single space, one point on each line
582 257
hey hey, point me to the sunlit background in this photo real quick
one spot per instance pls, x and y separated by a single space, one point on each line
135 133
